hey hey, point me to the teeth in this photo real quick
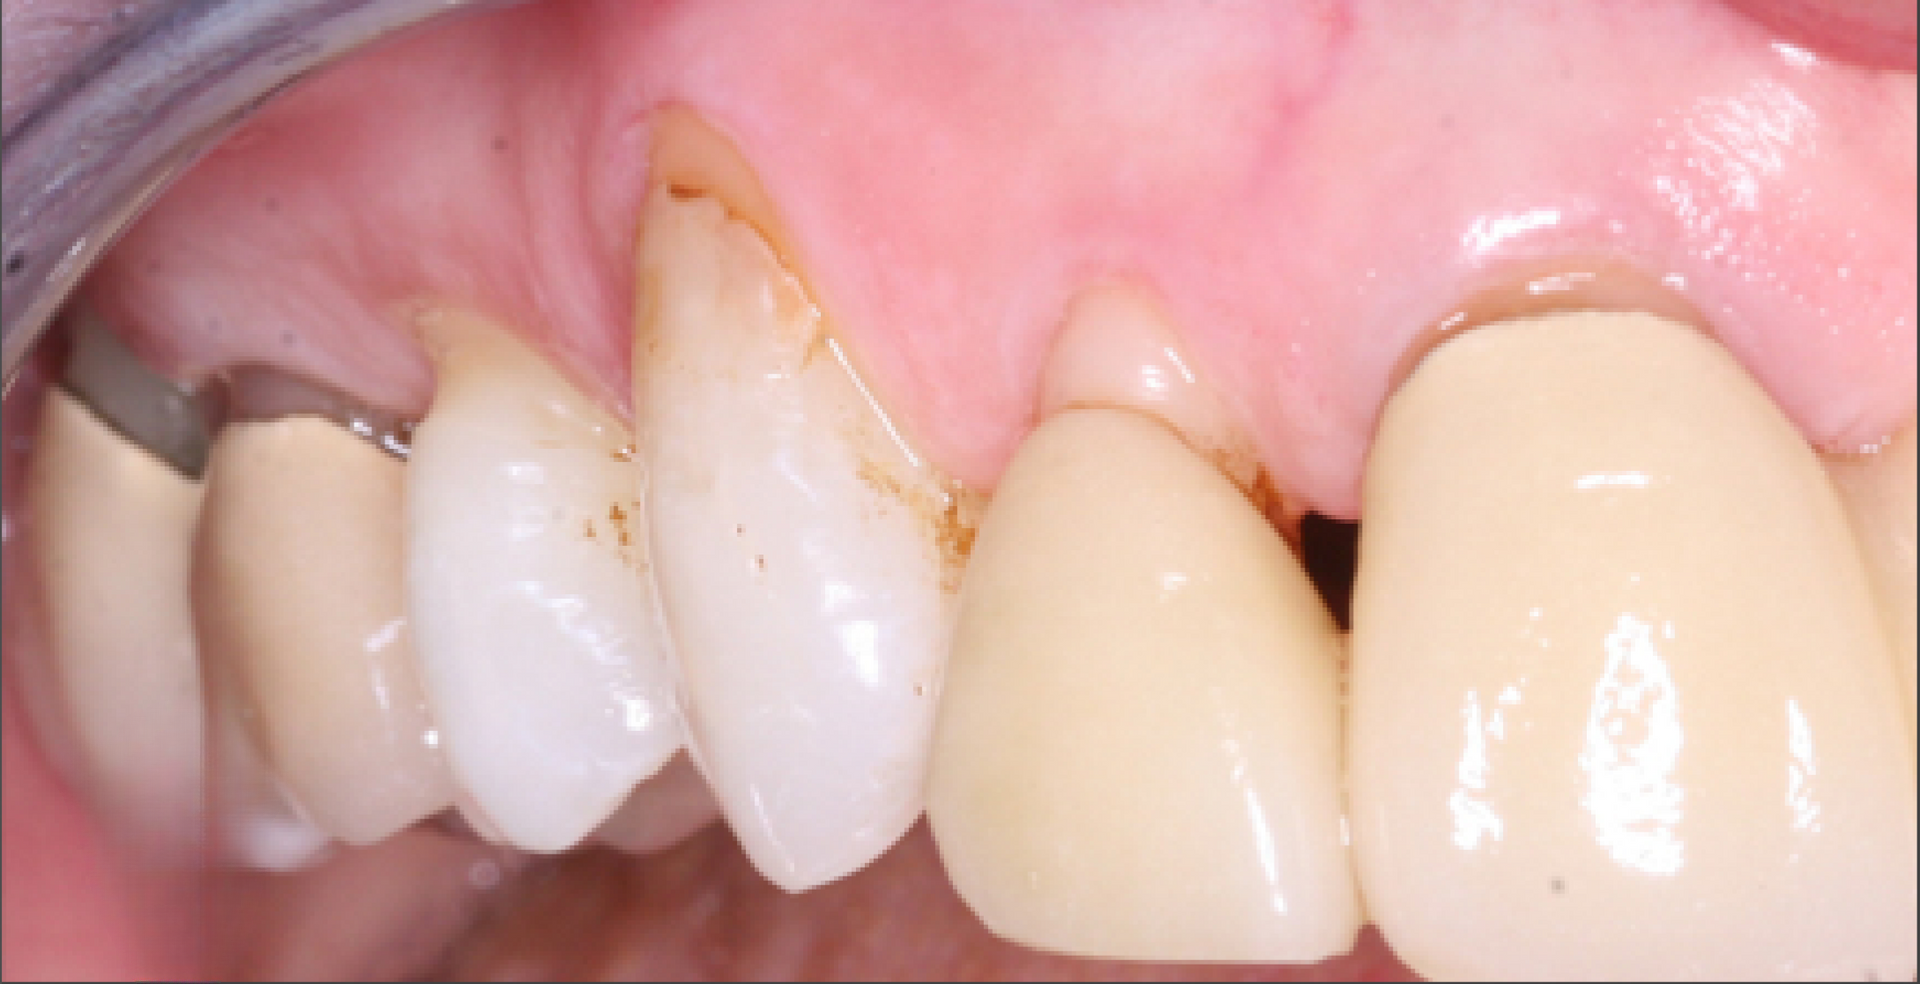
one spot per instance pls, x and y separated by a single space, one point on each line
804 555
300 592
112 531
260 826
1138 752
1879 492
542 650
662 812
1621 707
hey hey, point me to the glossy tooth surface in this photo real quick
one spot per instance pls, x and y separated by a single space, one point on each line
299 592
541 646
257 822
112 541
803 554
663 811
1879 492
1138 750
1621 705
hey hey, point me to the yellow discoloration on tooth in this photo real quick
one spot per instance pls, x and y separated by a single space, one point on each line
1621 702
1138 751
1879 491
299 592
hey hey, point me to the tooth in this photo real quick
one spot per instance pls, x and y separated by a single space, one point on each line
1620 704
112 529
663 811
544 659
1138 748
300 590
259 824
1879 492
804 555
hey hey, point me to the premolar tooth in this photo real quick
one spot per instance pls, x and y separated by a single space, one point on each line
1879 492
300 592
112 533
1138 749
544 659
1621 706
804 555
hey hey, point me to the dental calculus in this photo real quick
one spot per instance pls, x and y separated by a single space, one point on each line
1608 586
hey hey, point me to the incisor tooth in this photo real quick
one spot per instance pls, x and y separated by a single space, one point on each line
112 532
300 594
1621 707
802 552
1879 492
1138 747
661 812
542 650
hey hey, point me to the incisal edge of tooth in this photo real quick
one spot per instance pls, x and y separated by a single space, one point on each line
542 650
1138 748
801 552
1620 704
672 805
1879 490
300 594
111 530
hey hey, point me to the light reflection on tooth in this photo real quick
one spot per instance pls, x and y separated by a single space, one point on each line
111 530
1138 747
804 554
1621 707
543 654
1879 492
299 593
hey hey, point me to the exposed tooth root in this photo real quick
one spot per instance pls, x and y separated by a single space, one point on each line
1621 707
543 654
1879 492
300 592
805 556
663 811
1138 750
111 531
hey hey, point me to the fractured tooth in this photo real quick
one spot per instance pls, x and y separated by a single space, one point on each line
804 554
662 812
1138 747
300 593
542 649
1621 706
1879 492
112 532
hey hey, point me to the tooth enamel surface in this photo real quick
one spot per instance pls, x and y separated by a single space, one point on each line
542 650
663 811
112 535
1621 706
258 823
798 549
299 589
1138 750
1879 492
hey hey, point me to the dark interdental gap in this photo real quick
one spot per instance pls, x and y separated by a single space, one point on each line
1331 551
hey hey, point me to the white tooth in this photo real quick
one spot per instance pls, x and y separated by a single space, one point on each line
1879 492
800 547
300 592
112 533
1621 705
663 811
543 655
1138 750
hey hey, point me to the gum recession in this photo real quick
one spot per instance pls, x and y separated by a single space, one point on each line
919 198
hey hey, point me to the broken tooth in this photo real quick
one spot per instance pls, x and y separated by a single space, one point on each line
300 593
1138 748
1879 492
111 531
1621 707
804 553
542 650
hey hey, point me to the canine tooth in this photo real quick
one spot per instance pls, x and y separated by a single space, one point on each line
1621 706
1138 747
300 589
1879 492
661 812
805 556
544 659
112 531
